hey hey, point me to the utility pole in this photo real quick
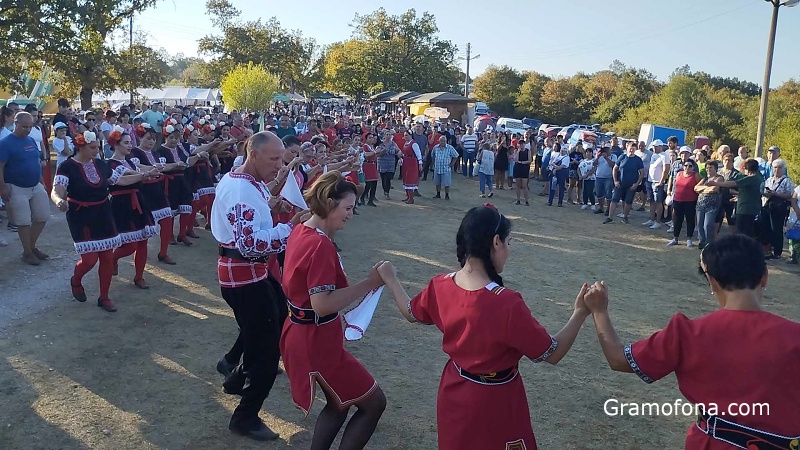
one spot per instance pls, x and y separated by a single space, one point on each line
130 48
468 59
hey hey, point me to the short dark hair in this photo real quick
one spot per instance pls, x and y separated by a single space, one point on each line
30 107
476 234
290 140
735 261
751 165
672 139
713 163
109 114
63 103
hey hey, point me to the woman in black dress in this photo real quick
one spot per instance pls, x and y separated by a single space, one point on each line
175 185
81 190
132 215
153 189
522 169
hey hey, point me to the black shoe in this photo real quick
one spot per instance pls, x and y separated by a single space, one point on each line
417 194
260 433
608 220
233 386
371 203
224 367
599 211
447 196
437 196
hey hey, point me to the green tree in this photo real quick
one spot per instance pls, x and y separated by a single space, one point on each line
560 101
404 52
286 52
634 88
529 95
249 87
498 87
347 69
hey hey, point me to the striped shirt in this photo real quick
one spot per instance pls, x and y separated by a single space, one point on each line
469 142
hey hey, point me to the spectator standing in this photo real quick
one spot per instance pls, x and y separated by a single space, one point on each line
444 156
628 175
657 173
62 143
604 162
708 203
777 200
586 173
684 204
749 185
469 141
21 188
486 161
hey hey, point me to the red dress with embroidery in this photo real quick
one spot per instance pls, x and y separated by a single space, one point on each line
370 166
314 353
481 402
89 216
728 358
410 169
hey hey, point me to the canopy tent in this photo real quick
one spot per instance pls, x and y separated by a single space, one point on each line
174 94
382 96
403 96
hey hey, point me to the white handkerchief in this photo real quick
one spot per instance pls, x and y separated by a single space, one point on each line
358 319
291 192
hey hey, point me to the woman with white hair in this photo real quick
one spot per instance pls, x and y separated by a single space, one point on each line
777 198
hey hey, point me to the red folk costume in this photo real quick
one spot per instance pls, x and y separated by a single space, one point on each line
312 346
411 164
760 348
370 166
481 402
131 213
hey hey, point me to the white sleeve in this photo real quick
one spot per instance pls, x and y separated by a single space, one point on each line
250 239
415 146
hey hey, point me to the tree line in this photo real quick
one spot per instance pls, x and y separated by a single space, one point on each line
622 98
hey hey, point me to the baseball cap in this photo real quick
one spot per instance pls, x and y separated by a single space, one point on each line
775 149
656 143
685 149
59 125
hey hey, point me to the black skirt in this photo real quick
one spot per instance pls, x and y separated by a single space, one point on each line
178 192
92 227
132 217
156 200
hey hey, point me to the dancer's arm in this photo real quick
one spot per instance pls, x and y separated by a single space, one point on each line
597 301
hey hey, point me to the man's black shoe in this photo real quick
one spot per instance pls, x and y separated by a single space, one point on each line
224 367
260 433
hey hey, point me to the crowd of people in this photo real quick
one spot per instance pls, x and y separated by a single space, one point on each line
126 180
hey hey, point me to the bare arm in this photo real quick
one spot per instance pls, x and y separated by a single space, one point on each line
566 337
613 349
326 303
401 298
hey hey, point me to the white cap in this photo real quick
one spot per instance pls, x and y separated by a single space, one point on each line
59 125
656 143
685 149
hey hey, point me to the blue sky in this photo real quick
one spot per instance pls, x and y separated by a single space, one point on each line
722 37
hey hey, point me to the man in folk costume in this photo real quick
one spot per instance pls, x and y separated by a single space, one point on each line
241 222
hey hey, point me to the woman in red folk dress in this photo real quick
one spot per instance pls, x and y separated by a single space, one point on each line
727 362
132 216
370 168
487 329
81 190
153 189
312 343
175 185
412 161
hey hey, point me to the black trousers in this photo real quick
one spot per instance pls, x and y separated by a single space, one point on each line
746 224
777 219
684 210
386 181
260 310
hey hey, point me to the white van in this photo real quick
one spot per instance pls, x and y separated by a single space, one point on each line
510 125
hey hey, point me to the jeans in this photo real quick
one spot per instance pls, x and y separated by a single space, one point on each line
684 210
588 192
485 180
386 181
706 225
469 162
558 181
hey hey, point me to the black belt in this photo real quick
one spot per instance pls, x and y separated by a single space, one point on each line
501 377
235 254
742 436
303 316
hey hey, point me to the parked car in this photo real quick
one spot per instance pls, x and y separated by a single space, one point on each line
481 109
648 133
533 124
510 125
583 136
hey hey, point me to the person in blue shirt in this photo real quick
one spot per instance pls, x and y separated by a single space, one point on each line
628 175
21 188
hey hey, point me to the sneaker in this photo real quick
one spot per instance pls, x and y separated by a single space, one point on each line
648 223
608 220
625 220
669 224
669 230
594 208
491 194
12 227
621 215
655 226
672 243
599 211
482 196
585 207
689 243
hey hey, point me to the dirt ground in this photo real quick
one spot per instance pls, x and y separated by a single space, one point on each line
75 377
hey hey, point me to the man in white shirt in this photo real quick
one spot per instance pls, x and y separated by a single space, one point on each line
469 142
657 173
62 144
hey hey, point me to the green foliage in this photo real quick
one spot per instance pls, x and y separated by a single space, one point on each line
249 87
529 95
499 87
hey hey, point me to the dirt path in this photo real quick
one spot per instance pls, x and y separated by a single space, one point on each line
74 377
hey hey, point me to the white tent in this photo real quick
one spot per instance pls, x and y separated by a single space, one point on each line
170 94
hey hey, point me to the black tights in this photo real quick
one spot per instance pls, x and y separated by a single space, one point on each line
386 181
369 191
357 432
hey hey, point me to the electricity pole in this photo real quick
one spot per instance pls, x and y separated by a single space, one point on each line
468 59
130 48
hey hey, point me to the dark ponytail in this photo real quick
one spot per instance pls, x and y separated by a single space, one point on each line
476 235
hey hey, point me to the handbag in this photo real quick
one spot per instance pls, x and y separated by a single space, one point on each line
668 201
794 232
476 169
776 204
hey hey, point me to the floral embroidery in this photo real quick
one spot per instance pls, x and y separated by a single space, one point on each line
118 172
245 232
550 350
636 369
90 171
135 161
61 180
150 157
323 288
175 156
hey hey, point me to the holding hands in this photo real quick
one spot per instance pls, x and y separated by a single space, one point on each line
596 299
